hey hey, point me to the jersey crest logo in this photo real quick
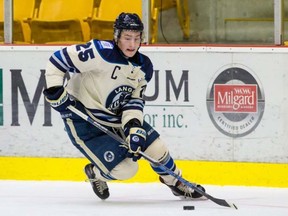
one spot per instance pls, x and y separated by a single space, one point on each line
118 98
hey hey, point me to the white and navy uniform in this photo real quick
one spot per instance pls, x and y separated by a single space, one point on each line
103 80
109 88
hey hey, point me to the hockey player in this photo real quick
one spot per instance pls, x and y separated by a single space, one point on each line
108 83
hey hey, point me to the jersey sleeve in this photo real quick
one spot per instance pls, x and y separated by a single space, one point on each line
75 59
134 108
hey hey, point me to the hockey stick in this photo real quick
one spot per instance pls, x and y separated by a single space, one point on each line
221 202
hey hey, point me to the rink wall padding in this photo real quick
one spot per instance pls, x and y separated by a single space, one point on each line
204 172
221 110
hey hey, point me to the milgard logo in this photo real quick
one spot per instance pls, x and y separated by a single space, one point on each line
235 101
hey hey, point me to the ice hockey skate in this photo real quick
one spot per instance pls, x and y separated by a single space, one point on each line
99 187
184 192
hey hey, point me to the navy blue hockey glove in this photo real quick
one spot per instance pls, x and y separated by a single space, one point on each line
58 98
136 139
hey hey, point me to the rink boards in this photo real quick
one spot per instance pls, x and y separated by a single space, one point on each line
221 110
204 172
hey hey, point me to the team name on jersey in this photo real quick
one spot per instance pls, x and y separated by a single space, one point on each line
127 89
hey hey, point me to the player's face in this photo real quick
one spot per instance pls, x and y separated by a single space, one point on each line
129 42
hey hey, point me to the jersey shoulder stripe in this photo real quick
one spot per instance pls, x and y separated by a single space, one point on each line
108 52
146 66
58 64
69 61
62 61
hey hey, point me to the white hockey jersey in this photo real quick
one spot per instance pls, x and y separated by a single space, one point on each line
109 85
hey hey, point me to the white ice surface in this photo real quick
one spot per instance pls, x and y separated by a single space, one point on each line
46 198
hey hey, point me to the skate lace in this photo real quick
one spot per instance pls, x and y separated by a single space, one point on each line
101 185
188 191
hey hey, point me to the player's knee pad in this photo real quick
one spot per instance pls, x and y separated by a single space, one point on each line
157 150
124 170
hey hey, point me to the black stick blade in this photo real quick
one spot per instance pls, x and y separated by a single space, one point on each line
222 202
